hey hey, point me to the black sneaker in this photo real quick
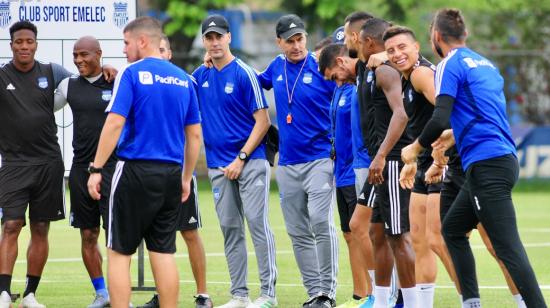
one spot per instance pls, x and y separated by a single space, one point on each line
203 302
153 303
323 301
309 301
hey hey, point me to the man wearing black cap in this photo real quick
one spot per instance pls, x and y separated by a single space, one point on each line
305 176
235 121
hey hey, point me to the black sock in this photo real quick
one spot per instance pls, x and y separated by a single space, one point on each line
356 297
399 297
5 283
32 284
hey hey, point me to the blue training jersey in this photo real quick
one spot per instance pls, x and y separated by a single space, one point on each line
478 118
228 100
158 100
361 158
340 115
307 137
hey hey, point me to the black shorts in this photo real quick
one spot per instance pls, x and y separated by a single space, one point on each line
85 211
391 206
451 185
189 217
144 203
420 185
41 187
346 199
367 196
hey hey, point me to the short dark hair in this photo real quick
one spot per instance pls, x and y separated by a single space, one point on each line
327 58
375 28
23 25
323 43
147 24
396 30
450 23
357 16
164 37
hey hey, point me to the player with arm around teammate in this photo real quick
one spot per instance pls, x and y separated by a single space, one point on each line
469 93
304 174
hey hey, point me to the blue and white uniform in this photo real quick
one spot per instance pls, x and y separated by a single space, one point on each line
471 89
305 175
228 99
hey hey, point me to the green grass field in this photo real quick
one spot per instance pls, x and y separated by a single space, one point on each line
65 282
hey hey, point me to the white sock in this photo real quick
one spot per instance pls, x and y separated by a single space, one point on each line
519 300
471 303
381 296
425 294
371 275
409 297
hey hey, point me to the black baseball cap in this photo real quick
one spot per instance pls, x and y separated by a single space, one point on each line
290 25
215 23
338 36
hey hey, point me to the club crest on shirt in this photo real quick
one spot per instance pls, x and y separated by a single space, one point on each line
342 101
106 95
43 82
369 76
228 88
308 78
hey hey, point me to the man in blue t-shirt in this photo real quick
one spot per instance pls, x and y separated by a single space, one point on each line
305 175
469 92
235 121
153 104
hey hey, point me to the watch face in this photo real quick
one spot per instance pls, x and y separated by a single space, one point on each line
242 155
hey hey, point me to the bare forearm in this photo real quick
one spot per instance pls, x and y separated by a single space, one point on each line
397 126
192 148
108 139
258 131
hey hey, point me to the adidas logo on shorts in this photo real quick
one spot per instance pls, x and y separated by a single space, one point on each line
192 220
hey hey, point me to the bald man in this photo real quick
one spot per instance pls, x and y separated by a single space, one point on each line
88 95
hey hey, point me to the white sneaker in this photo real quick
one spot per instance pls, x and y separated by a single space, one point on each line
99 302
264 301
237 302
29 301
5 300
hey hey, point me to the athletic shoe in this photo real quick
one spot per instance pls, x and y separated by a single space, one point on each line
153 303
5 300
368 302
323 301
352 303
99 302
264 301
203 302
237 302
29 301
309 301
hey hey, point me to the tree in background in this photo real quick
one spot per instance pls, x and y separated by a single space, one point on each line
515 34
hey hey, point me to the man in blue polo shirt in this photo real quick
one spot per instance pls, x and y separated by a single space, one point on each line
305 175
235 121
469 92
153 104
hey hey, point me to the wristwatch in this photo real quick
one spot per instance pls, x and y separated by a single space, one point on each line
243 156
92 169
